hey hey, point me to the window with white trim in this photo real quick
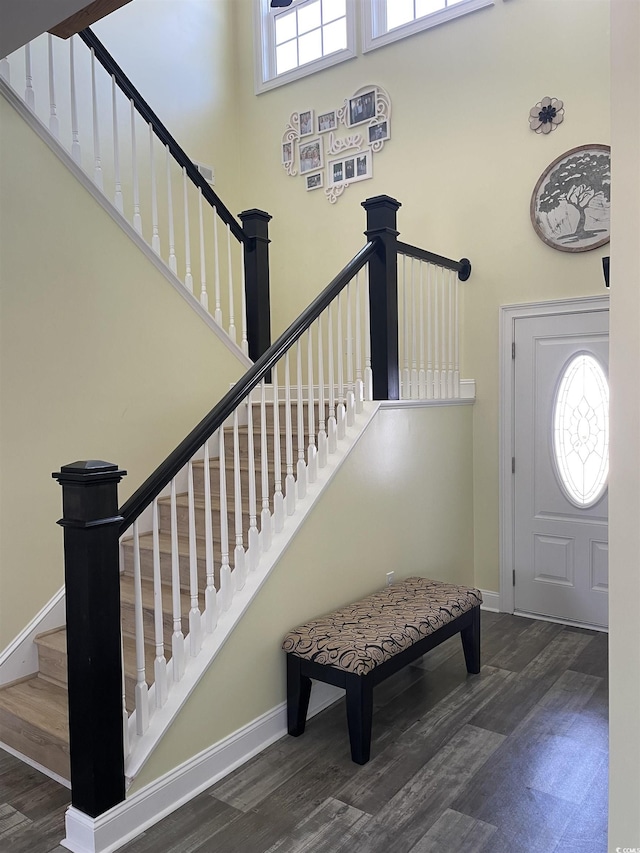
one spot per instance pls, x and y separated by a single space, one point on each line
385 21
301 39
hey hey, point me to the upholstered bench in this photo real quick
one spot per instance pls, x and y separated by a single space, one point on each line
358 646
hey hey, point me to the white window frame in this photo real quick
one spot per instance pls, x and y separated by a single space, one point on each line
374 21
266 77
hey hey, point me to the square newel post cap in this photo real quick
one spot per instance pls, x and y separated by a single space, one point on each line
381 215
381 201
89 470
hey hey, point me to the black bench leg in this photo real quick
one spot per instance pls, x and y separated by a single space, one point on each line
298 693
359 716
471 642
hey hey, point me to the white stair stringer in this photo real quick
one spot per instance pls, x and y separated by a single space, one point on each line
141 746
78 172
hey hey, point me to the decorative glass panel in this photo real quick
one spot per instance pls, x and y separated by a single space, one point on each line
581 431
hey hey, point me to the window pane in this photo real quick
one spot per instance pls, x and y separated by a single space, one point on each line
286 57
427 7
285 27
335 36
399 12
310 47
309 17
332 9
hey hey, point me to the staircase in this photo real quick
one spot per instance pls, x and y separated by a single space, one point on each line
33 712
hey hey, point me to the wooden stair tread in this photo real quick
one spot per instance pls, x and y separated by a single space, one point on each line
56 640
39 702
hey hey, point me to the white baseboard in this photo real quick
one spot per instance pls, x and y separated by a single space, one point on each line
20 658
125 821
490 601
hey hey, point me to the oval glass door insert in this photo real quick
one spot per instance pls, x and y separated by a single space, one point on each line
581 431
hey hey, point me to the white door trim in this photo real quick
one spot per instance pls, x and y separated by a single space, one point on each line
508 315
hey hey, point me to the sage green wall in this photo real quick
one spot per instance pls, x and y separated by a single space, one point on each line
463 162
380 513
99 358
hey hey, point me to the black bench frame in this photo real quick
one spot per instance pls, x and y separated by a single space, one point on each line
359 688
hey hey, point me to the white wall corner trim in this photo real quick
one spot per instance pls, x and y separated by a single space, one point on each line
163 796
43 132
20 658
490 601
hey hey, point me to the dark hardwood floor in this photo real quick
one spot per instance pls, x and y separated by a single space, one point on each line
513 760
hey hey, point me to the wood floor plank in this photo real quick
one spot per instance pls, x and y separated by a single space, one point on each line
454 832
586 832
323 831
594 659
413 810
11 822
530 642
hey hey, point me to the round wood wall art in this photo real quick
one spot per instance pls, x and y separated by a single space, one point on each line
571 201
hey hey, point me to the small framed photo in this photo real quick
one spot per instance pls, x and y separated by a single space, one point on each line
314 182
327 121
348 170
311 158
287 152
306 123
362 107
378 132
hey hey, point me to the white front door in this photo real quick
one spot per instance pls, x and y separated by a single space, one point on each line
561 427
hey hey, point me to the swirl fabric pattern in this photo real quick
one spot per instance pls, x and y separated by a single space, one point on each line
361 636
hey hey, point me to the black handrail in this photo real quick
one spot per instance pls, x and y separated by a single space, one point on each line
462 267
113 69
176 460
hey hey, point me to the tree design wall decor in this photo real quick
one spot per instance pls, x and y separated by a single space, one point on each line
344 141
571 201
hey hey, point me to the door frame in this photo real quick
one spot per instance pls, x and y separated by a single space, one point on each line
508 316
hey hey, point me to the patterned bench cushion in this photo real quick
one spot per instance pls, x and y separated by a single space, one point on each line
359 637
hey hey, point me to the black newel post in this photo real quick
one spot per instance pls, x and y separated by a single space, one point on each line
383 295
91 527
256 271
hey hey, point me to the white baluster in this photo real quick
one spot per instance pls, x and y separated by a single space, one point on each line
323 444
253 540
210 596
218 312
359 387
75 139
243 299
332 427
5 69
97 174
301 468
141 690
450 286
137 219
29 94
414 335
341 411
173 263
204 298
226 581
155 236
195 618
160 661
422 376
429 380
312 460
436 347
239 561
188 278
289 483
368 372
443 360
278 499
406 382
54 124
118 199
177 638
232 321
351 396
456 356
126 746
265 515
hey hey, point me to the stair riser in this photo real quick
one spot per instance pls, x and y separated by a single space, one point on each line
53 665
127 610
28 740
146 565
182 515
